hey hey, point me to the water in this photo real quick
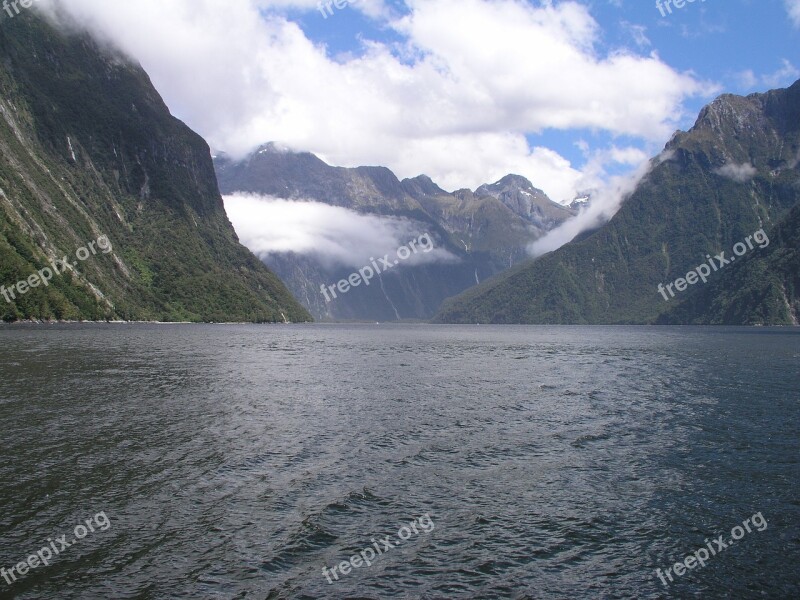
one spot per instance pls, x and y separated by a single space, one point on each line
553 462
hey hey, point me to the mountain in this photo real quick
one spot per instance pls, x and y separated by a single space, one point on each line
523 199
89 150
734 173
581 202
762 289
485 231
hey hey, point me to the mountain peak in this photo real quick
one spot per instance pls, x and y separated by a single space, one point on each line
510 182
111 117
274 148
422 185
745 115
531 203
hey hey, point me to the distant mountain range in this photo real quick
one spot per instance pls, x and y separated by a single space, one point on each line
487 230
734 173
89 149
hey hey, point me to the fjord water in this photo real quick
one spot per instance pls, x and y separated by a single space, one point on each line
554 462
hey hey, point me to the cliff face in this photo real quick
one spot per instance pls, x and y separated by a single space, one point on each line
734 173
88 149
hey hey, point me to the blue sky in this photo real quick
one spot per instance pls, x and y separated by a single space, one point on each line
568 93
719 40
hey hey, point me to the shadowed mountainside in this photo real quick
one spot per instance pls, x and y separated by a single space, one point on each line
88 148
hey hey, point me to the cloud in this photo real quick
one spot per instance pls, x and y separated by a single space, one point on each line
793 7
739 173
334 235
785 75
459 161
638 33
458 102
747 79
788 73
605 202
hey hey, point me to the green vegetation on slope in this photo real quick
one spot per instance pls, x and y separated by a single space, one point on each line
682 211
763 288
88 148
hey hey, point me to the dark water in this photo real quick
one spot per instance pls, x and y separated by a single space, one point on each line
553 462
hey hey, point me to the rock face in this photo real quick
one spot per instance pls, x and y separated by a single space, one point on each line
486 231
530 203
734 173
88 148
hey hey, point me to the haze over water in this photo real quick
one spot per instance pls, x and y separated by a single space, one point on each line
555 462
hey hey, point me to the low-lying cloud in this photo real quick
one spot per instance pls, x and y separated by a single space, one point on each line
334 235
739 173
604 204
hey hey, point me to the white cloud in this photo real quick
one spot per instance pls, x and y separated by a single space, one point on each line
793 6
334 235
459 161
739 173
604 204
748 80
454 100
638 33
788 73
784 76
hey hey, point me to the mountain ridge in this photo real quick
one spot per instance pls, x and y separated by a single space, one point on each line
482 229
733 173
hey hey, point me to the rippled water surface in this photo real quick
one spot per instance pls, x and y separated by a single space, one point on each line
553 462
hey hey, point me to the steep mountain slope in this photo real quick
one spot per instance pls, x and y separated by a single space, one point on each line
733 173
763 288
487 230
89 149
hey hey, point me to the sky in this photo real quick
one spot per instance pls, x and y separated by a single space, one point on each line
571 94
